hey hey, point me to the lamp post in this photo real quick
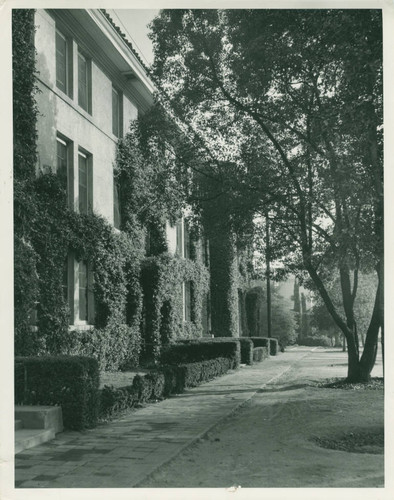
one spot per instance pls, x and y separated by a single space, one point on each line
268 273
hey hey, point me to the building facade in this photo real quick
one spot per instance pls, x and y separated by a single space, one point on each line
91 86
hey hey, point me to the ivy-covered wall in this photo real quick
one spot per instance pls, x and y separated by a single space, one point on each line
229 272
138 296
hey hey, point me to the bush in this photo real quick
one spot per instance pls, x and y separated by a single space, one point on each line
260 353
274 346
114 347
68 381
260 341
316 341
196 350
193 374
114 400
246 350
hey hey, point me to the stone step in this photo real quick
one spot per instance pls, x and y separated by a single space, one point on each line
27 438
40 417
18 425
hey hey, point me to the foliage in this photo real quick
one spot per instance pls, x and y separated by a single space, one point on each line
25 157
363 307
318 340
196 350
260 353
287 117
162 278
68 381
115 260
246 350
274 345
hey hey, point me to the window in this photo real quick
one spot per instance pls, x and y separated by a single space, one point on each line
83 290
62 161
63 64
186 241
117 219
116 113
182 239
85 191
187 300
179 238
84 83
64 169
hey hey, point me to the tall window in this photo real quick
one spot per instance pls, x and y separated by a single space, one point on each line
83 290
63 61
116 113
117 220
84 183
62 161
186 241
84 82
187 300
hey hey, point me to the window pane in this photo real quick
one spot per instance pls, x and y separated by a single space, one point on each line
83 291
83 184
188 303
115 113
186 241
62 162
82 82
179 226
61 62
116 206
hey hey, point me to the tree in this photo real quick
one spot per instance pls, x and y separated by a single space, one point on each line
285 108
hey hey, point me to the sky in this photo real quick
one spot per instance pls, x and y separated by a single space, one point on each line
133 22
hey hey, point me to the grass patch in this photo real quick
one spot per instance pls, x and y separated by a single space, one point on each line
362 441
340 383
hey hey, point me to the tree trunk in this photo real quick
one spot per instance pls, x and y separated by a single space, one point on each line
368 357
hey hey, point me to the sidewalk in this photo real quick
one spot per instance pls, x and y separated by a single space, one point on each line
126 451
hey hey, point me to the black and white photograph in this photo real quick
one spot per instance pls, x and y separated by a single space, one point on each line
196 249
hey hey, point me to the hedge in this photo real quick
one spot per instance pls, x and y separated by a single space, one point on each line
196 350
260 353
246 350
158 385
322 341
274 346
71 382
272 343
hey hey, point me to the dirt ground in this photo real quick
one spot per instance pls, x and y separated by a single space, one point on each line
273 441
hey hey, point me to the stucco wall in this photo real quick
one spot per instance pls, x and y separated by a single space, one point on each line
61 114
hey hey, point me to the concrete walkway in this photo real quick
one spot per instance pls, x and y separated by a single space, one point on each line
126 451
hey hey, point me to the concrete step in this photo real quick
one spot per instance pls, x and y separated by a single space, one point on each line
27 438
40 417
18 425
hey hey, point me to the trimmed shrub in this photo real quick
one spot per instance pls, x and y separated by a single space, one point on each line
114 400
246 350
196 350
260 353
114 346
274 346
260 341
71 382
316 341
193 374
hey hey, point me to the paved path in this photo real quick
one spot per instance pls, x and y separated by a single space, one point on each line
126 451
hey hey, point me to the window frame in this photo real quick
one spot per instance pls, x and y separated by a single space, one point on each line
119 108
89 182
68 64
87 106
